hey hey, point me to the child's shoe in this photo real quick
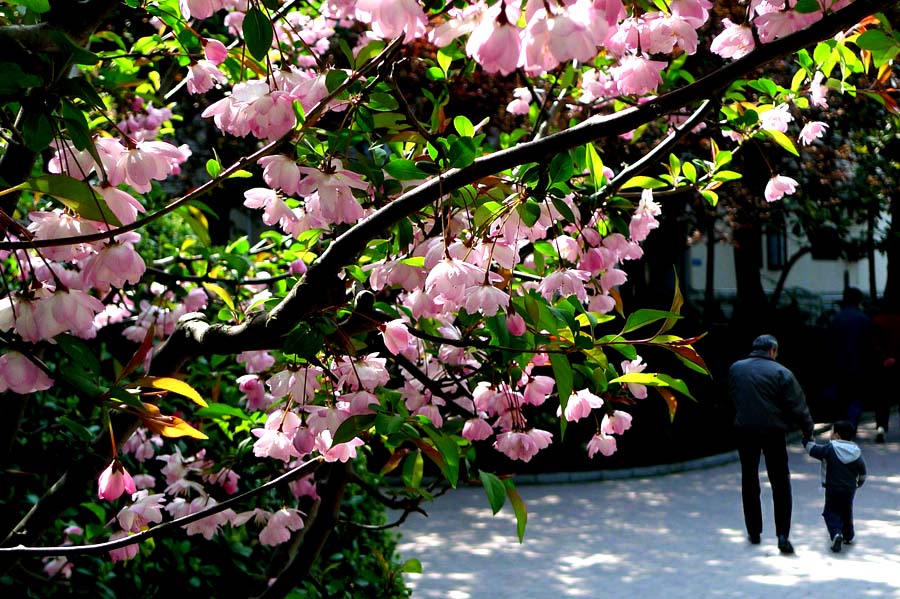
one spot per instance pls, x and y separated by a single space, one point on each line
836 542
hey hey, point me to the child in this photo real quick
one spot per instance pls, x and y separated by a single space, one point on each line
843 470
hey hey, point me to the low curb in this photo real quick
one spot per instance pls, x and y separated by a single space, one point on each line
556 478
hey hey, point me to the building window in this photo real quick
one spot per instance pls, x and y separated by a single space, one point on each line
776 249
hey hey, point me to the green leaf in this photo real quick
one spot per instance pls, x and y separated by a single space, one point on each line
213 168
352 427
217 410
37 130
882 47
258 33
462 152
594 164
644 183
642 318
13 78
496 492
382 102
727 176
807 6
519 508
334 79
463 126
782 140
78 429
488 213
413 467
411 566
404 170
79 352
38 6
562 372
448 449
690 172
76 195
561 168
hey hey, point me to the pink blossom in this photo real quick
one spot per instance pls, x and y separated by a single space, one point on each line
396 336
122 204
537 390
123 553
281 172
209 525
57 565
141 446
644 218
113 266
564 282
603 443
367 372
580 405
390 18
255 361
477 429
71 310
637 75
495 45
817 92
486 299
618 422
251 385
275 439
812 131
341 452
20 375
736 41
214 50
278 528
612 277
301 384
777 118
202 76
225 478
637 390
522 102
56 224
515 324
274 208
778 24
114 481
779 186
522 446
336 202
145 508
199 9
304 487
149 160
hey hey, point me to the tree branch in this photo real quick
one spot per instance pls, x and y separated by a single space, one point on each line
165 527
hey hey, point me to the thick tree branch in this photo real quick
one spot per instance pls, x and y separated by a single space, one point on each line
315 534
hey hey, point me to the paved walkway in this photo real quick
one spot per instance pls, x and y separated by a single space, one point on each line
663 537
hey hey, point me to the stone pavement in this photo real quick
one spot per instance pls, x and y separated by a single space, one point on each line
662 537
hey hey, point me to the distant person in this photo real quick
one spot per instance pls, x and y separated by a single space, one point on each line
768 403
843 471
850 332
886 325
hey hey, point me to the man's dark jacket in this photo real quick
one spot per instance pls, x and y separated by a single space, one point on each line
767 396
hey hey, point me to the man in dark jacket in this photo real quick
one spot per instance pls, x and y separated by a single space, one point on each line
843 471
768 403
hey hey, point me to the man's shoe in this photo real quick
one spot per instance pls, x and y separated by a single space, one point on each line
784 545
848 541
879 434
754 539
836 542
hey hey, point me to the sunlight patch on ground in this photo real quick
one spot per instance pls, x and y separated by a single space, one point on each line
573 562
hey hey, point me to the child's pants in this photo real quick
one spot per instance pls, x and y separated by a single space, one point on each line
838 512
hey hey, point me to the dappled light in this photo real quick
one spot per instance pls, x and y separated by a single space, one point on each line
679 535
